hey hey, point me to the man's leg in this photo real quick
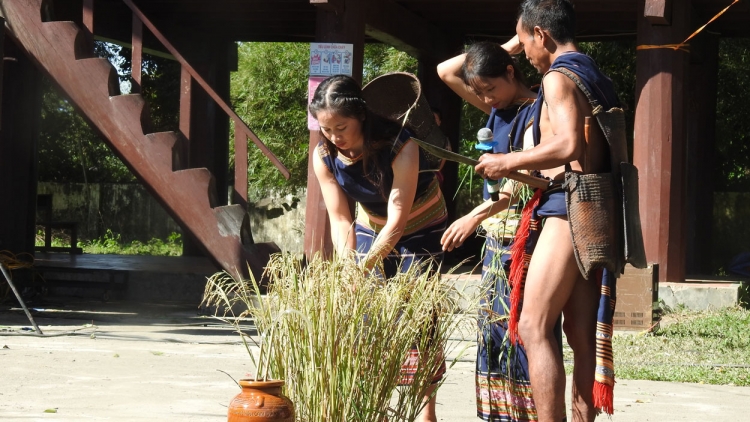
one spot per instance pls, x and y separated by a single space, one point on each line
580 329
552 276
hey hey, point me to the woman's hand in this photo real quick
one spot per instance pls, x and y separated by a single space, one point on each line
459 231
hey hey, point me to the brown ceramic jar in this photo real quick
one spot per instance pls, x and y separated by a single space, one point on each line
261 401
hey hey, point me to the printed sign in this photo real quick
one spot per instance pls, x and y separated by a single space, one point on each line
327 59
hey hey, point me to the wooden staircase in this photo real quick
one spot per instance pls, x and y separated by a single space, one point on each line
62 50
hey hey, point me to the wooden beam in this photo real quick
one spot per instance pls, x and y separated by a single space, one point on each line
391 23
659 12
88 24
701 152
659 146
440 96
137 56
330 5
2 65
346 27
18 151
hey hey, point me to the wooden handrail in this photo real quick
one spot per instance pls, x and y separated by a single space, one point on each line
239 124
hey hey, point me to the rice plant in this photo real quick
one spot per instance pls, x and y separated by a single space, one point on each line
338 334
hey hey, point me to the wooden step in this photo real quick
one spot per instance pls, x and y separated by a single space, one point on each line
233 221
164 148
93 85
97 75
200 180
70 37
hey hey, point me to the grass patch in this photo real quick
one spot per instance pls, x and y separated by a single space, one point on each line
111 243
710 347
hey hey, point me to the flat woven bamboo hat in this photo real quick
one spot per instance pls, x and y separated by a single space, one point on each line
399 95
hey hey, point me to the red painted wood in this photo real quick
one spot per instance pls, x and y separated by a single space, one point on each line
92 84
186 93
88 23
660 139
137 57
347 27
240 168
239 124
317 226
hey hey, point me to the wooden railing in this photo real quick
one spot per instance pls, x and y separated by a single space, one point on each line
241 131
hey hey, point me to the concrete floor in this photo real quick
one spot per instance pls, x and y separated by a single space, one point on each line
162 362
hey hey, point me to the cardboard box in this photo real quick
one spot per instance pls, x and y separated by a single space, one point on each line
637 298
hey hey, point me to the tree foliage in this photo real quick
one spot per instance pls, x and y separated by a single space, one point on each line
732 168
71 151
269 92
615 58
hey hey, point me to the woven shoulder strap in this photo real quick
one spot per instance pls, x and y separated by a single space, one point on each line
612 121
573 77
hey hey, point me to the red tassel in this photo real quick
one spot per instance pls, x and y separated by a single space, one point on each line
604 397
518 266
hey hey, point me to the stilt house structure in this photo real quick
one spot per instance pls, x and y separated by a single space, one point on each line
186 170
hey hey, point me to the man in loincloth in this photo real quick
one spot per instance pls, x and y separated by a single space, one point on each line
553 283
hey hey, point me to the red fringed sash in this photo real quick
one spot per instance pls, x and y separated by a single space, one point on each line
520 257
519 264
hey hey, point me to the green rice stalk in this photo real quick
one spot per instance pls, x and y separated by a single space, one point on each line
338 334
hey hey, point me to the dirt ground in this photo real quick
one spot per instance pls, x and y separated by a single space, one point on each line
162 362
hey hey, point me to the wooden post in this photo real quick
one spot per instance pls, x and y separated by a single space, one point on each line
137 56
2 65
658 12
88 24
186 94
660 139
19 137
439 95
701 147
340 26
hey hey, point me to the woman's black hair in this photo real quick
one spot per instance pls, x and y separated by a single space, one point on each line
342 95
486 59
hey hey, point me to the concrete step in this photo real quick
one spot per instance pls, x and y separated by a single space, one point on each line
702 294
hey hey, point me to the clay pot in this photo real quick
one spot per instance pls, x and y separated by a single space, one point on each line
261 401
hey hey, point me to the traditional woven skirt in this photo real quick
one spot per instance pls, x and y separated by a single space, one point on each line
412 249
502 372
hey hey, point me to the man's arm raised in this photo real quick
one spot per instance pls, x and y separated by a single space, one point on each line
565 118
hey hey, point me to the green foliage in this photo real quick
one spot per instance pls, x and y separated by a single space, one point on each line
111 243
70 151
381 59
711 347
338 334
269 92
732 162
617 60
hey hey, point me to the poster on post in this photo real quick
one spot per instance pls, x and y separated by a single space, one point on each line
327 59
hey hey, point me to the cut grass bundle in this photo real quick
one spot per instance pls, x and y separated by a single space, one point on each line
338 335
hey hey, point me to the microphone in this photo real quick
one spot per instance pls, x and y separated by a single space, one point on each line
485 142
